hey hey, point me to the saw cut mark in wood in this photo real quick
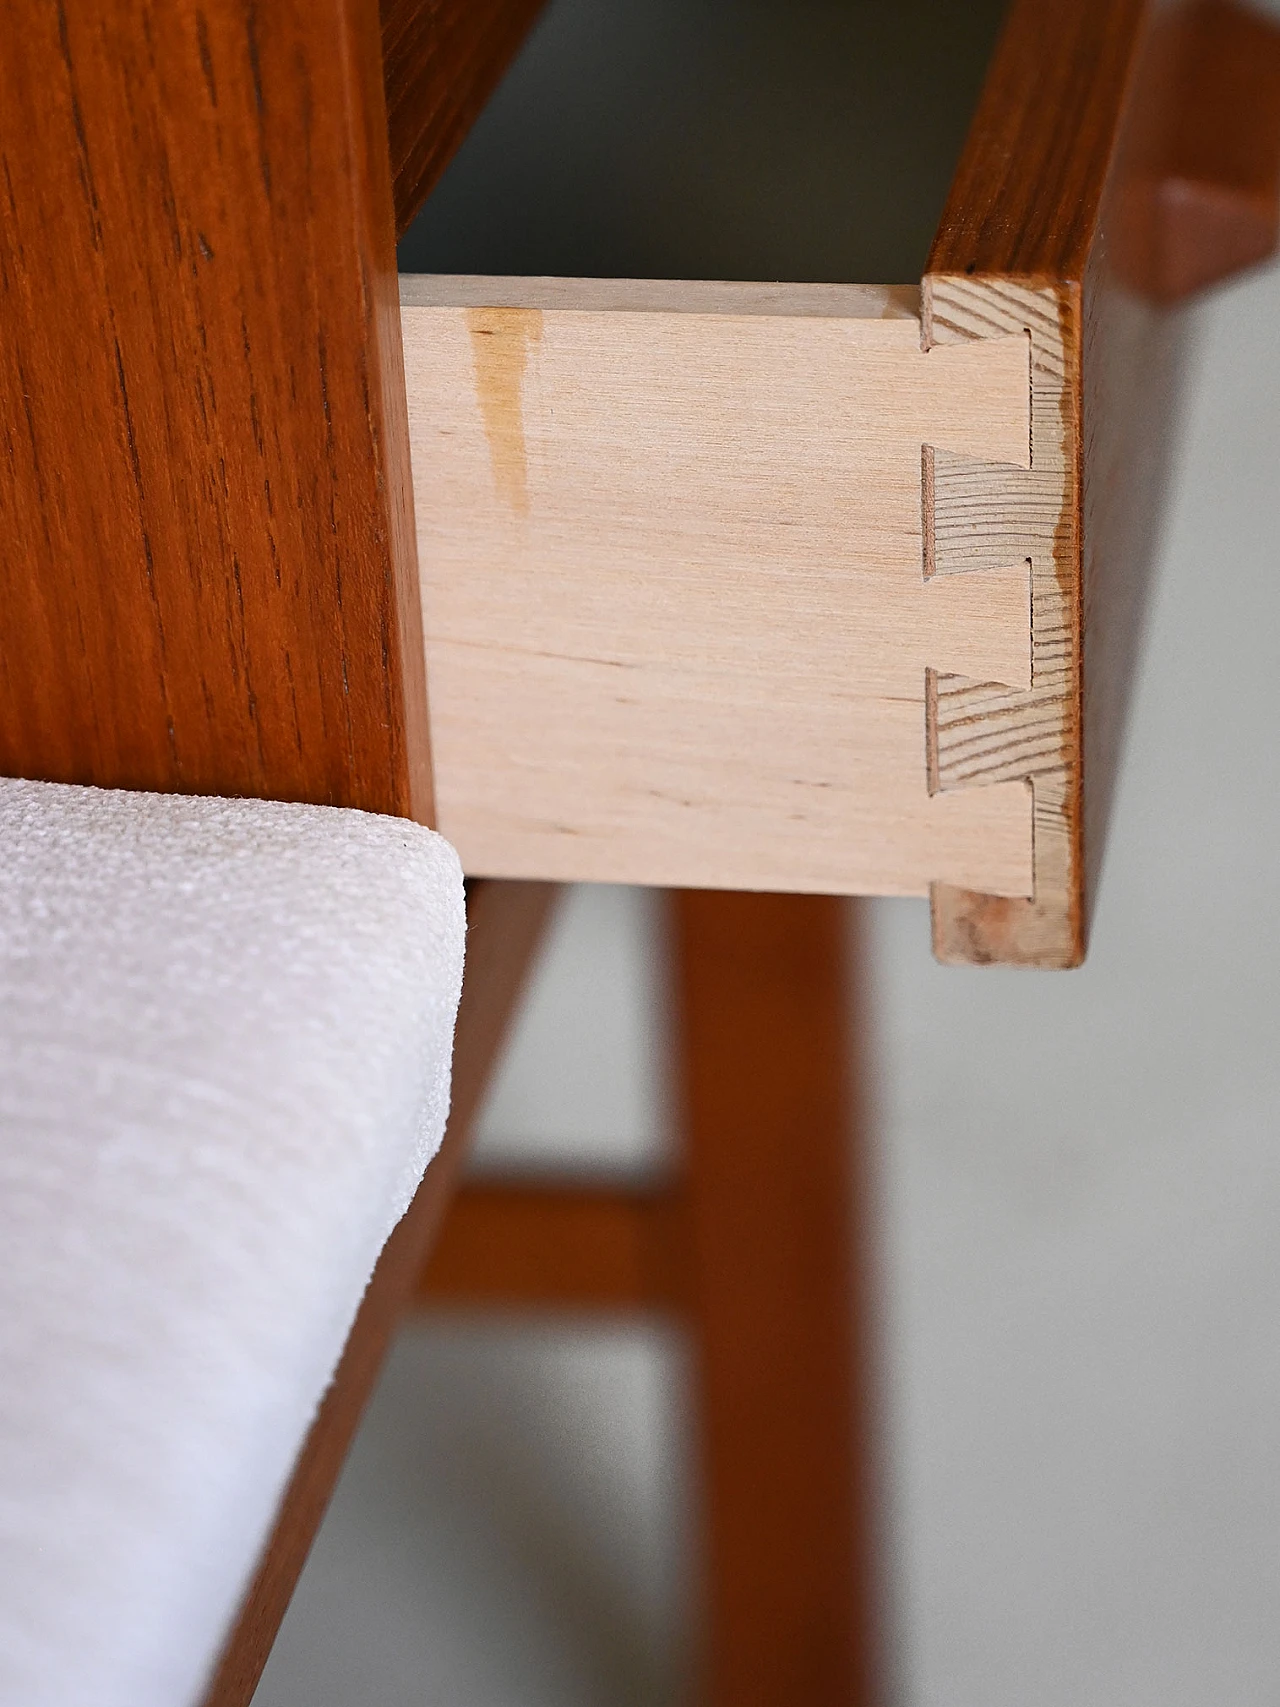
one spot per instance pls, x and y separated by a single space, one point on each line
677 621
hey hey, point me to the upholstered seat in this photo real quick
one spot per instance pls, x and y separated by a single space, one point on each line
225 1036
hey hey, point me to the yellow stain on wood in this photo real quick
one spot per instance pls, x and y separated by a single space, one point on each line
500 342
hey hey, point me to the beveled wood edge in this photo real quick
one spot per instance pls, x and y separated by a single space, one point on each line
506 922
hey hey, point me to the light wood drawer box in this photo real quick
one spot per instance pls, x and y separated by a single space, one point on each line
825 587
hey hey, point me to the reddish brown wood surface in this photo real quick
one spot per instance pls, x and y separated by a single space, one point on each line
1200 176
506 923
1026 195
777 1283
443 59
546 1246
207 560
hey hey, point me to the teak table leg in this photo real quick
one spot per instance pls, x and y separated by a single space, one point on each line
775 1290
759 1246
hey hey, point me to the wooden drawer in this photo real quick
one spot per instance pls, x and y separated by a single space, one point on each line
802 586
680 621
785 586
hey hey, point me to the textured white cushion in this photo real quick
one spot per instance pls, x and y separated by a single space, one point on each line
225 1036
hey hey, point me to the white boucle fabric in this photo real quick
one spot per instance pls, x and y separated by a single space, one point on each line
225 1037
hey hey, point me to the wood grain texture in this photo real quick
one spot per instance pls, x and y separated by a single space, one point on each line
982 733
677 619
1012 247
777 1193
442 60
1071 215
544 1246
505 926
207 553
1028 189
